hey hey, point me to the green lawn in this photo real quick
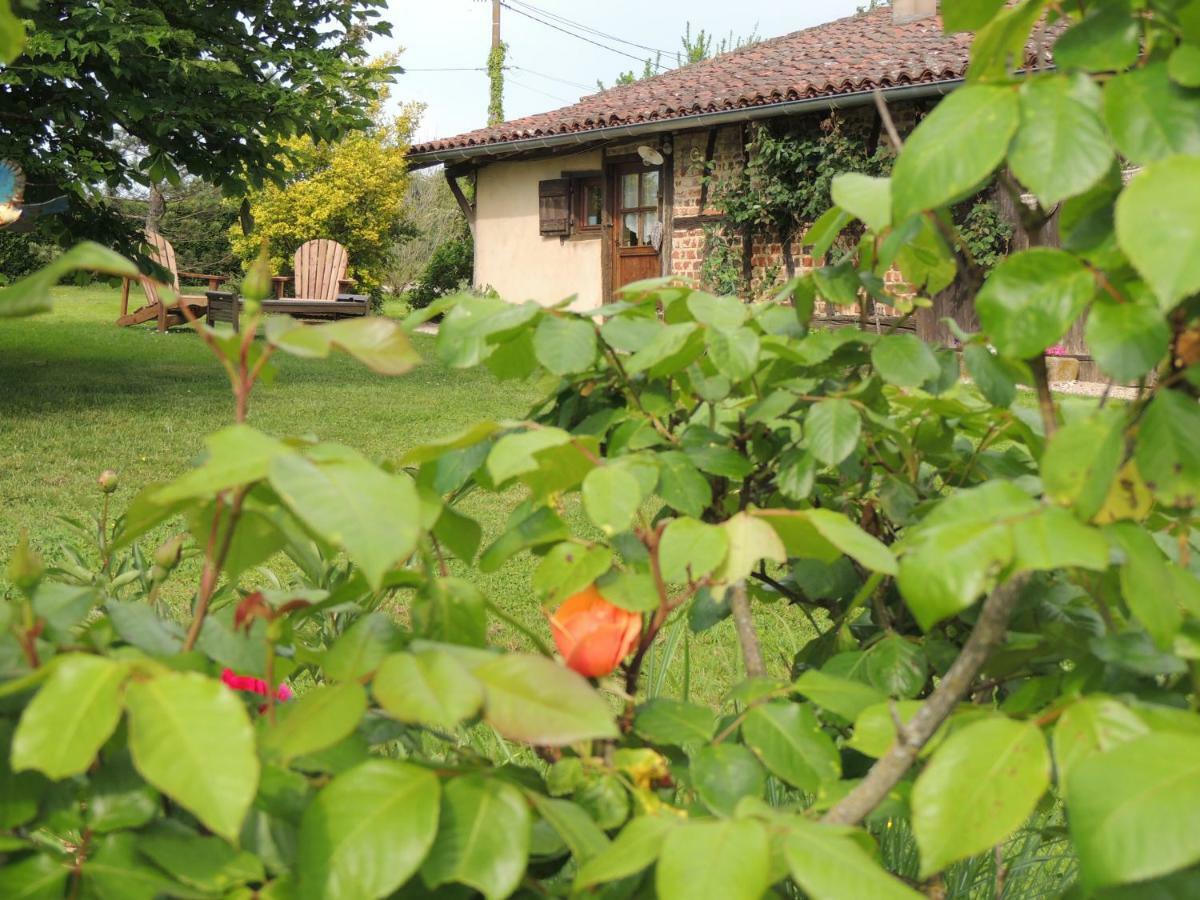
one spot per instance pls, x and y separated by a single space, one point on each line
82 395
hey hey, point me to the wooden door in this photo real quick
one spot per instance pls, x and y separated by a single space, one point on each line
636 192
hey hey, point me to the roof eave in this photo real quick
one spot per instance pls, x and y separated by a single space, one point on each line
680 123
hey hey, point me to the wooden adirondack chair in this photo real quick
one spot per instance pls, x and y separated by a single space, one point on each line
163 253
321 290
320 268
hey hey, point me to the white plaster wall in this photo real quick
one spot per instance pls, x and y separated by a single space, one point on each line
511 256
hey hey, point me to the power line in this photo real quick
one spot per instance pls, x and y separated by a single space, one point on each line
586 28
476 69
521 12
538 91
585 87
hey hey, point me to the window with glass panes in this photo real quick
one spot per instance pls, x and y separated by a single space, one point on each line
637 207
589 204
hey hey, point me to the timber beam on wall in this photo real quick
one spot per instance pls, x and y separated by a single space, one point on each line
453 173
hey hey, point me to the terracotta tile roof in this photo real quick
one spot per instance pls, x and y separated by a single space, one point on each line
857 53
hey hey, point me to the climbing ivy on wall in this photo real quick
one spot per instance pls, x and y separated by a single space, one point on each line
496 79
787 183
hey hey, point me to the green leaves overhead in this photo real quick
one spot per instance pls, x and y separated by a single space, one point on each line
1000 47
191 738
429 688
611 496
952 557
1157 227
12 34
724 774
831 864
319 719
1031 299
1127 339
1107 39
825 535
788 739
1184 65
236 456
1081 461
73 714
378 343
1150 117
843 697
368 831
483 837
904 360
832 430
563 345
690 549
954 149
1061 149
994 376
1125 806
1091 725
727 860
534 700
734 353
868 198
996 765
1168 447
355 506
674 722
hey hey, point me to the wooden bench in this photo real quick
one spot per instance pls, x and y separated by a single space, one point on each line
224 306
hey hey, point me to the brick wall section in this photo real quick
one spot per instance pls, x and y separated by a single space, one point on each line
768 262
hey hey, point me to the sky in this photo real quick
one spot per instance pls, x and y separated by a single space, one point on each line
551 69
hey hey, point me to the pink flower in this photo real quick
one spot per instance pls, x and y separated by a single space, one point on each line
253 685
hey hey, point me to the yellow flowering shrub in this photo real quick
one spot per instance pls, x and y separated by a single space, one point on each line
351 192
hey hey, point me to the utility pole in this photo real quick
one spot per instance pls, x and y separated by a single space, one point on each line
496 70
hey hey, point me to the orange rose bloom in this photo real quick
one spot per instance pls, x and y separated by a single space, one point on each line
593 635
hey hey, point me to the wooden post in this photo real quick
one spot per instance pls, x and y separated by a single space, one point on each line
124 296
468 210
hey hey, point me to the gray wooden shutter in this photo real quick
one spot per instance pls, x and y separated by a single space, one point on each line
554 206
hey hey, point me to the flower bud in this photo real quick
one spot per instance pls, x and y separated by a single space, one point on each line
25 566
107 481
592 634
256 286
168 553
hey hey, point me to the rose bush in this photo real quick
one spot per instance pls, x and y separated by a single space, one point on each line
1004 594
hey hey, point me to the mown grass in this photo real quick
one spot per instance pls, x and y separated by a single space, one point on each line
81 395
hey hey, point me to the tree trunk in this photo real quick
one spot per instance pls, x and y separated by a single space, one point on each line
155 208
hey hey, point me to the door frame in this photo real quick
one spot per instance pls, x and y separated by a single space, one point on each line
665 204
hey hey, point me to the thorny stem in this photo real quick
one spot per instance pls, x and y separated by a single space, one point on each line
214 560
651 540
885 116
104 556
988 633
269 671
1041 379
743 623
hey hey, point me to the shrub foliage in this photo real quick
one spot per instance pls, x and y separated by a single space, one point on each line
1006 596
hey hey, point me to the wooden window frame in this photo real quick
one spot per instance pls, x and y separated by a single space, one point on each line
580 185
